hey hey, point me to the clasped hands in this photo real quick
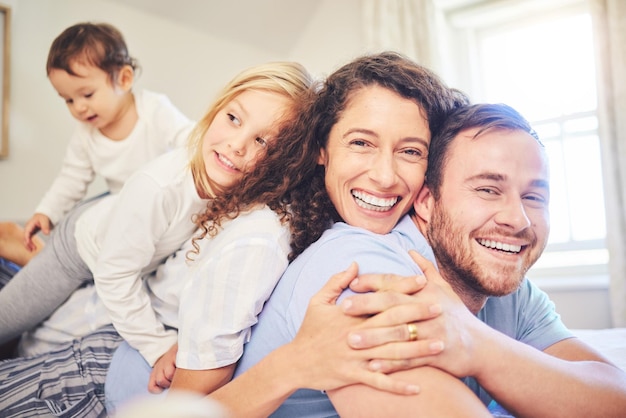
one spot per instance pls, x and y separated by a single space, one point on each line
399 323
367 336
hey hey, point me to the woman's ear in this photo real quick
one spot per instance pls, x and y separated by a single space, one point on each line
125 78
322 159
424 203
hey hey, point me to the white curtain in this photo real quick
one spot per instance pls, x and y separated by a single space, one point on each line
410 27
405 26
609 17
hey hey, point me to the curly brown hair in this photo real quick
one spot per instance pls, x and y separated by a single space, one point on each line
289 179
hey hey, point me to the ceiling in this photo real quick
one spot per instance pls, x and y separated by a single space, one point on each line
267 24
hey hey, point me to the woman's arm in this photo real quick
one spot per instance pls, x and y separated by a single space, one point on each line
318 358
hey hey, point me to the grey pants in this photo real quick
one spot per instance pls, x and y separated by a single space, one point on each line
46 281
68 382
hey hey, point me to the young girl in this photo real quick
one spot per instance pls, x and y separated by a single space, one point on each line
118 131
124 236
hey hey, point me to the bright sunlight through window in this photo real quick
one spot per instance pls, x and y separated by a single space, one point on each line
546 71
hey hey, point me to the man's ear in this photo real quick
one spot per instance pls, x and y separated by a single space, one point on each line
424 203
125 78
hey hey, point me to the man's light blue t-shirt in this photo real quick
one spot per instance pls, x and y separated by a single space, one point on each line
526 315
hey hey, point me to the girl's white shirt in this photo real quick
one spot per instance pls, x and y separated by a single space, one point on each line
129 234
213 301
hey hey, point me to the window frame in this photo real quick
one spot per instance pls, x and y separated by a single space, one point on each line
462 26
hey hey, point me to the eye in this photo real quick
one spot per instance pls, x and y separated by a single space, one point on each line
262 142
234 119
88 95
488 191
536 200
413 153
358 142
69 101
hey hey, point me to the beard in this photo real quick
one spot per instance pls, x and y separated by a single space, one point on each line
452 249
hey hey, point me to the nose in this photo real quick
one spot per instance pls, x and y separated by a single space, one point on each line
239 144
513 215
383 170
79 105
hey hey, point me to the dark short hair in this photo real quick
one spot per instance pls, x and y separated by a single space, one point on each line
98 44
484 116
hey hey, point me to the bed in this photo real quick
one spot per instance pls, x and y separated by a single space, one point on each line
609 341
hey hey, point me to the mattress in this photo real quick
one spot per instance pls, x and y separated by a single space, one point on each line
611 342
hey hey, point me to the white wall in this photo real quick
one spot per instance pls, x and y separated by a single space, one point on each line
188 65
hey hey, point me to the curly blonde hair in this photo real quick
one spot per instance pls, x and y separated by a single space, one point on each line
289 79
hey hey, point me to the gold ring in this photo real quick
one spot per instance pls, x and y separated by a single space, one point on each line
412 328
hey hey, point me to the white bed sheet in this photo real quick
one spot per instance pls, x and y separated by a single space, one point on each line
609 341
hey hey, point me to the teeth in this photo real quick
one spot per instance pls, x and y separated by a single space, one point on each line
500 246
226 161
370 202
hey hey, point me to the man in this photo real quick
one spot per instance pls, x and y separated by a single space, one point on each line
484 211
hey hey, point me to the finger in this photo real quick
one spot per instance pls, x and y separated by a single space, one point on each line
162 382
424 264
336 285
45 226
431 272
378 282
379 302
169 372
378 336
153 387
388 366
402 314
400 350
28 233
158 377
387 383
393 343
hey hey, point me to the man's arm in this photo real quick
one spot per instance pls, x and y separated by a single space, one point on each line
441 395
567 379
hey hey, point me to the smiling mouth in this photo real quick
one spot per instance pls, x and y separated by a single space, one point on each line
496 245
367 201
226 162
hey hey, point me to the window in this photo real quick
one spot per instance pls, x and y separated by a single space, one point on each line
541 62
